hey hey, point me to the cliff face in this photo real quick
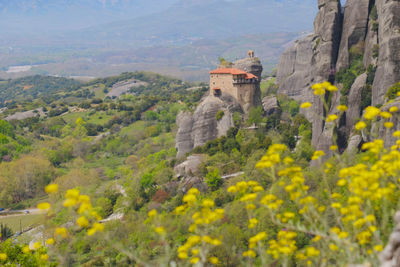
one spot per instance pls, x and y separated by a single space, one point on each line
202 126
363 32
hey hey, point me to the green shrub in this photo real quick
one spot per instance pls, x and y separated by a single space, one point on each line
393 91
213 179
220 114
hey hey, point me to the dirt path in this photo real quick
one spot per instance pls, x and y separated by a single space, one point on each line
27 212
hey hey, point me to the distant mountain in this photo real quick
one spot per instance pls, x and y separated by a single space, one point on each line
44 15
211 19
153 20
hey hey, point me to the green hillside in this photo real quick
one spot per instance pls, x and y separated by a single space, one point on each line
114 158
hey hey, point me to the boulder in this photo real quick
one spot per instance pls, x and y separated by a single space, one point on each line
189 167
270 105
354 143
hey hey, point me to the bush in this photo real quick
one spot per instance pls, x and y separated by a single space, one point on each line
393 91
220 114
213 179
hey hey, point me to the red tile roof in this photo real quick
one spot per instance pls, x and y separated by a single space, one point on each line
250 76
233 71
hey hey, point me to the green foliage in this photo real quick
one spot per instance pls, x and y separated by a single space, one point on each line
213 179
374 13
34 87
256 115
366 97
16 257
375 50
393 91
269 87
289 105
147 180
347 76
220 114
5 232
6 128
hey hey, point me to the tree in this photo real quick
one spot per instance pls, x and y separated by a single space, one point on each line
213 179
256 115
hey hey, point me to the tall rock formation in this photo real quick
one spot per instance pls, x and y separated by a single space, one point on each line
366 31
203 125
311 60
388 71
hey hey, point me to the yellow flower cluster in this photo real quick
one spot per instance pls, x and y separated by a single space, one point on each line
284 245
321 88
272 157
204 214
253 242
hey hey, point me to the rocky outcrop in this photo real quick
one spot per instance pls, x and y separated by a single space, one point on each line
270 105
354 98
183 140
189 167
363 28
355 23
390 256
251 65
310 60
388 71
202 126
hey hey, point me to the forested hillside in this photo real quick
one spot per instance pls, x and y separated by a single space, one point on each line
103 170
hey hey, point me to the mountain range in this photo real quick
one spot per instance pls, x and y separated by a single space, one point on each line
78 35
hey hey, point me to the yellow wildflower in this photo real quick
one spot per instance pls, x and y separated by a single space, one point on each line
182 255
385 114
333 148
70 202
333 247
62 231
152 213
160 230
82 222
50 241
208 203
51 188
306 105
44 206
317 154
44 257
388 124
360 125
214 260
342 108
371 112
26 249
36 245
331 118
72 193
393 109
249 253
194 260
3 256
